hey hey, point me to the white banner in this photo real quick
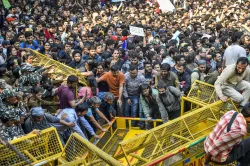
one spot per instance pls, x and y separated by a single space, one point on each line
166 5
136 31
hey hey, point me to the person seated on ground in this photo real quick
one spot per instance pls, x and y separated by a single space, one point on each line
225 144
170 97
234 80
212 77
151 104
199 72
76 116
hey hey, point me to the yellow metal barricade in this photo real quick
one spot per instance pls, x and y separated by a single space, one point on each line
167 139
199 95
60 71
80 151
37 149
202 92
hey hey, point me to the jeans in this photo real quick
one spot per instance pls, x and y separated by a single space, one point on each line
131 110
119 110
240 153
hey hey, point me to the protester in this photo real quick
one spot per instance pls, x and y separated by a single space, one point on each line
233 80
152 106
131 92
225 144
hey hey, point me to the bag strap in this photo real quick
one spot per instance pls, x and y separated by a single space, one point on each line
231 121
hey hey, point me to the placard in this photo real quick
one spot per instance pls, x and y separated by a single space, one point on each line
136 31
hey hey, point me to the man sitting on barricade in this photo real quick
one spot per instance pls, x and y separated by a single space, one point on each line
234 80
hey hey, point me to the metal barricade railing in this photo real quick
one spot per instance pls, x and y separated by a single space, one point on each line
60 69
202 93
123 125
199 95
80 151
167 139
38 149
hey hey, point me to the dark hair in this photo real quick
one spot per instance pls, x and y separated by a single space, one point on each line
133 67
114 67
109 42
165 66
76 52
92 47
2 71
37 89
246 110
132 54
145 86
26 56
243 60
162 85
178 58
91 81
218 65
82 107
146 63
72 79
182 64
9 50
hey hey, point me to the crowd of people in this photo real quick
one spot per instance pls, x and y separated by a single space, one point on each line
127 75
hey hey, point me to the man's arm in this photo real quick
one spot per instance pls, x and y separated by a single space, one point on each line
145 107
88 73
86 124
175 91
103 116
162 109
102 78
120 94
74 104
96 123
208 158
226 73
125 92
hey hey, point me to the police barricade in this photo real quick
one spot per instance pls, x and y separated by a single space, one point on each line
200 94
80 151
162 145
60 71
37 149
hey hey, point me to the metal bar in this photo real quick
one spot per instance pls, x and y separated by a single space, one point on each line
75 162
211 119
139 157
188 128
182 105
126 157
29 155
183 138
177 151
129 124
